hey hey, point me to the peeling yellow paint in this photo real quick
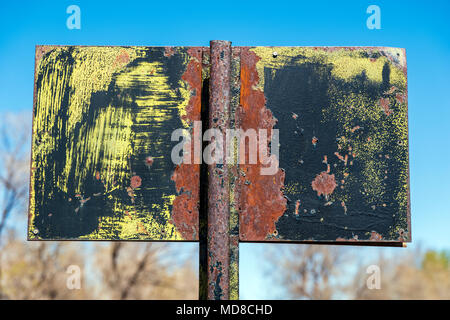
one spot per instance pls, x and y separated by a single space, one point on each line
111 140
346 63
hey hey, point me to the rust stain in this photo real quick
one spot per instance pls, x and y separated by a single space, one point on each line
333 49
135 182
400 98
40 52
141 228
355 238
149 161
297 205
344 206
262 200
384 103
130 193
342 158
193 77
374 236
187 176
168 52
122 58
402 235
391 90
324 184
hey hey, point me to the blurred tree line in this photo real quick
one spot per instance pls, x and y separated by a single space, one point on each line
139 270
341 272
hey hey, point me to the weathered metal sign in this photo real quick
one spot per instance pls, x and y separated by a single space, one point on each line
326 159
103 119
343 139
102 124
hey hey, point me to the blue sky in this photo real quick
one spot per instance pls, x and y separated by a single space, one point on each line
421 27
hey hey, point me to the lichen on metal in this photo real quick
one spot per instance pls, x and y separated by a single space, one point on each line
234 176
342 116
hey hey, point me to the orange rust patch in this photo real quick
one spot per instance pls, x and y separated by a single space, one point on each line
384 103
324 183
168 52
355 238
193 77
375 236
355 128
297 205
344 206
400 98
187 176
40 52
149 161
122 58
402 235
340 157
391 90
141 228
262 201
136 182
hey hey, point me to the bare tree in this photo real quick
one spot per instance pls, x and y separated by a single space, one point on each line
310 271
15 135
143 271
411 274
330 272
37 270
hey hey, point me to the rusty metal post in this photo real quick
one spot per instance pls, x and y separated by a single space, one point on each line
218 241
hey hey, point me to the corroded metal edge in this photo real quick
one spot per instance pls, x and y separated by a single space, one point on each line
185 209
349 242
234 176
405 71
262 201
40 50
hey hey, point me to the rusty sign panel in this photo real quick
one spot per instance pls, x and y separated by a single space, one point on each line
102 125
343 136
101 164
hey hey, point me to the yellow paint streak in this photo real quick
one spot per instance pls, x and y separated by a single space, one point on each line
346 63
131 226
107 144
